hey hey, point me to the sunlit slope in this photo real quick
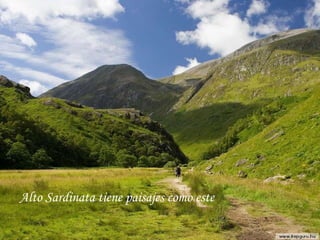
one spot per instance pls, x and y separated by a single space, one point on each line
289 146
282 65
53 132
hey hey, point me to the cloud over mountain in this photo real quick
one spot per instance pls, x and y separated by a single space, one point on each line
60 39
221 29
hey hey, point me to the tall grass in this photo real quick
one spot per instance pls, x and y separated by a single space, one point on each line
106 220
215 211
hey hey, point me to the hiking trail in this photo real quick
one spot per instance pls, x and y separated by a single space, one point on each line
252 220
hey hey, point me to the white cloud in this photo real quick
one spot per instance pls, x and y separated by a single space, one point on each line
45 78
257 7
223 31
207 8
68 43
219 30
36 11
192 62
312 15
26 39
35 87
271 24
79 47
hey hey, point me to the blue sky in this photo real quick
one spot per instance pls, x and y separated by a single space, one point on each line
47 42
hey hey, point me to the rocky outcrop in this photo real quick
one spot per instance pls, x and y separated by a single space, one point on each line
4 81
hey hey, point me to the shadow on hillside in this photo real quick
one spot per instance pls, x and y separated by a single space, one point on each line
207 123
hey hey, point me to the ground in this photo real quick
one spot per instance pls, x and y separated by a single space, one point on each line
252 221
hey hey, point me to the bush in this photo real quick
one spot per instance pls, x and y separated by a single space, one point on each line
19 156
106 157
126 160
40 159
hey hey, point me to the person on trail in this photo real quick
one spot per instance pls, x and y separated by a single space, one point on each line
178 171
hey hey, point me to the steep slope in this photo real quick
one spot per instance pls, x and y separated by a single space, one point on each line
288 147
119 86
37 133
201 105
283 65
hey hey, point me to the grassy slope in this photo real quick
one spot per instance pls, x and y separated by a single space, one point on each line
84 128
289 67
289 146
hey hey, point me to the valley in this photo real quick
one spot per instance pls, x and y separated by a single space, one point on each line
244 128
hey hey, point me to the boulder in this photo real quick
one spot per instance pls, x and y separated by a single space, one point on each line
242 174
241 162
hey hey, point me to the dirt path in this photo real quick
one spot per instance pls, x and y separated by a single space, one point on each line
253 221
177 185
257 222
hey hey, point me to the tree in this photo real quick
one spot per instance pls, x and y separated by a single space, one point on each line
126 160
154 161
40 159
19 156
106 156
143 161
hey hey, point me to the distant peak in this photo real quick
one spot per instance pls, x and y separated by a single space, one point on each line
271 39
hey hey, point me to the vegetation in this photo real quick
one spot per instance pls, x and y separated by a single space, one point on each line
39 133
247 127
298 201
212 116
289 146
97 220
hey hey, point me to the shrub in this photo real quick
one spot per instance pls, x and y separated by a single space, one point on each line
40 159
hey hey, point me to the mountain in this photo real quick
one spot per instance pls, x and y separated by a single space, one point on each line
119 86
217 104
221 92
274 66
39 133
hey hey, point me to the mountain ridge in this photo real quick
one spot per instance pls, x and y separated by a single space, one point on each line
118 86
199 105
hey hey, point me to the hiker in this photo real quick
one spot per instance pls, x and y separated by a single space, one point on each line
178 171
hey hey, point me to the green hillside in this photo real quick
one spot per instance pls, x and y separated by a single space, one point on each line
221 92
39 133
288 147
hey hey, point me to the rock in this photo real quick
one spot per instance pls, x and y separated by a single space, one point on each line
302 176
5 81
241 162
51 102
209 168
11 84
276 178
242 174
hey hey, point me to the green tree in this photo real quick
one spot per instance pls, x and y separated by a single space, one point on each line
126 160
19 156
154 161
40 159
143 162
106 156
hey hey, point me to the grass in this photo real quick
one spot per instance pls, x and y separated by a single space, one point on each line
105 220
196 130
289 67
299 201
289 146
